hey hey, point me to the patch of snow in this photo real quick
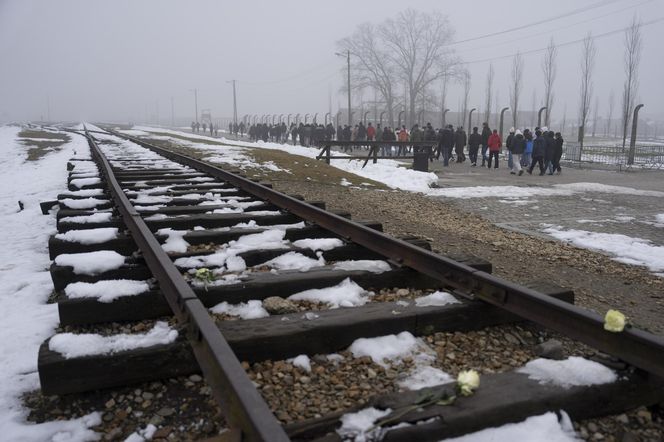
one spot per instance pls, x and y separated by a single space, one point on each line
354 426
344 294
80 182
345 182
436 299
175 241
83 203
155 217
107 290
151 199
369 265
542 428
294 261
142 435
84 192
318 243
88 219
235 264
149 208
517 202
301 361
71 345
571 372
389 348
252 309
91 263
89 236
625 249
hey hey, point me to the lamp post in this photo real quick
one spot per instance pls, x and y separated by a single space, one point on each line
350 121
327 115
381 117
502 116
288 120
400 114
364 118
315 116
234 103
539 116
337 117
470 119
444 114
632 142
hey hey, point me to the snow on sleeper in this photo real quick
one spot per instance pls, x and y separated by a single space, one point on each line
72 345
91 263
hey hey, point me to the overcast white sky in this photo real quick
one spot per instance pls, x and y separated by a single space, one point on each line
121 59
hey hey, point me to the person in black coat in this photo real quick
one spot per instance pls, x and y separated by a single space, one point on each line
459 143
549 152
539 150
486 133
517 148
474 141
558 152
447 144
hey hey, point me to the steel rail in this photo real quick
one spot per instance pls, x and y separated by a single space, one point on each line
243 407
637 347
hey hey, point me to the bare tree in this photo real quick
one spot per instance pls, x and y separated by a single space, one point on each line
549 70
370 66
609 116
489 93
515 86
587 66
633 47
418 47
466 96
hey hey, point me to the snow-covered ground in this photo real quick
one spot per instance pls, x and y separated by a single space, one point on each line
26 284
625 249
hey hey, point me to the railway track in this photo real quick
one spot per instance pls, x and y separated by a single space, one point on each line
148 235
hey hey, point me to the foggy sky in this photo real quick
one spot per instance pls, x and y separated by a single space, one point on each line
123 60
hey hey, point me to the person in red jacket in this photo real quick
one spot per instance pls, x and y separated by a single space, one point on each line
371 132
494 147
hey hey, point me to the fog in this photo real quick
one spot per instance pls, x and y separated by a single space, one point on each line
130 60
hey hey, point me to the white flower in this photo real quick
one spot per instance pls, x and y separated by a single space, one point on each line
614 321
468 380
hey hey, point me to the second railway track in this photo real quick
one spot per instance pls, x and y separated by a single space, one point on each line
146 234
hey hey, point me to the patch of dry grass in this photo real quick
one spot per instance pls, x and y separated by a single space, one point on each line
38 146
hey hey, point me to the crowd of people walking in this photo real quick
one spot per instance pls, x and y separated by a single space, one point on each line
524 149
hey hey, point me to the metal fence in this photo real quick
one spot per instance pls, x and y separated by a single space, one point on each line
614 156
